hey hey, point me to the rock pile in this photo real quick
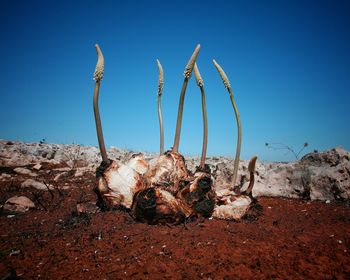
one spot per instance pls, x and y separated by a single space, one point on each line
18 204
317 176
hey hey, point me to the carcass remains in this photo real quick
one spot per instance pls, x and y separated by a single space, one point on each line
163 190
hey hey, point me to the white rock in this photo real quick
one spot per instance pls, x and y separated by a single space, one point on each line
37 166
5 176
61 176
30 183
62 169
24 171
317 176
79 173
18 204
82 170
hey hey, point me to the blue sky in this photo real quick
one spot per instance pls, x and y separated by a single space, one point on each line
288 63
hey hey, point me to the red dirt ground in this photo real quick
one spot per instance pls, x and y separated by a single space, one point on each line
291 239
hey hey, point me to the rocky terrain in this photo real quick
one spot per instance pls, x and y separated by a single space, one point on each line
50 227
321 176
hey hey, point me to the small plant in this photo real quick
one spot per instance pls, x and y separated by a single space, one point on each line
51 199
73 156
289 149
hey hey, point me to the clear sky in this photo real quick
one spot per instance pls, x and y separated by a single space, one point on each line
288 63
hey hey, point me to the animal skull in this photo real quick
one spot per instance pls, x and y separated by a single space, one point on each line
163 190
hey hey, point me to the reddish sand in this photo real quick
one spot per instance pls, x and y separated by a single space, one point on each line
291 239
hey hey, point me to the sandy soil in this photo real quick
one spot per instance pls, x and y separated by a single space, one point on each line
290 239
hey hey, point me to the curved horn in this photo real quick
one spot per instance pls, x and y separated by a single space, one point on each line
98 75
239 136
187 74
160 92
251 169
200 83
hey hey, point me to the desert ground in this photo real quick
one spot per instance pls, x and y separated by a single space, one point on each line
65 236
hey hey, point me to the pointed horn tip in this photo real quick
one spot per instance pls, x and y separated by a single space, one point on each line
195 54
160 67
252 162
191 62
216 64
159 64
196 50
98 49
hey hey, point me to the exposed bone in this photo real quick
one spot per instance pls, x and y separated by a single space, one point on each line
199 194
119 183
162 190
98 75
187 74
251 169
239 128
160 92
138 163
231 206
155 205
200 83
167 171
